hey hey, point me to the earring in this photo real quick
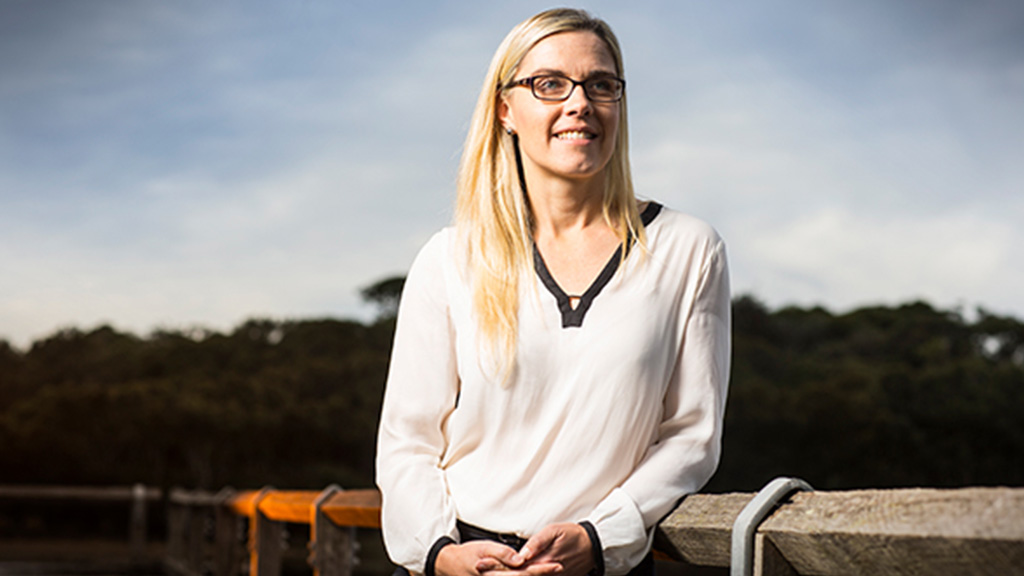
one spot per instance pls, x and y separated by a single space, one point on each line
509 131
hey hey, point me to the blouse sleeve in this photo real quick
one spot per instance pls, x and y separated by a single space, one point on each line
687 449
421 392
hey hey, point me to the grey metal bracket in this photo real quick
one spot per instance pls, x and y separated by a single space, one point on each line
745 526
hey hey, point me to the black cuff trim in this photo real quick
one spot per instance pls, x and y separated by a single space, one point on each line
595 548
428 568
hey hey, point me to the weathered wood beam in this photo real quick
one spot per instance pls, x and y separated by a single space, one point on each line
99 493
899 532
699 531
918 531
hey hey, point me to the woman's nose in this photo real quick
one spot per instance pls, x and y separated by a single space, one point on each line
577 102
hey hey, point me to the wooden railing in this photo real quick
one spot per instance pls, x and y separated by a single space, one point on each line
969 531
331 516
138 496
870 532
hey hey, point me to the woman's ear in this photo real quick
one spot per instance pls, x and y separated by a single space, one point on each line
505 116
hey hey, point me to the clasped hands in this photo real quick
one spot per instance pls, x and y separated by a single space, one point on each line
562 549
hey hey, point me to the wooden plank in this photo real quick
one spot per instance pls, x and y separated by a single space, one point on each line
903 532
194 497
910 531
289 506
244 503
99 493
360 508
699 531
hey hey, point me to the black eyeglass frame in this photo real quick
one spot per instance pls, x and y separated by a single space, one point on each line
529 81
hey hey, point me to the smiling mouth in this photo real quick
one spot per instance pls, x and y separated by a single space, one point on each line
575 135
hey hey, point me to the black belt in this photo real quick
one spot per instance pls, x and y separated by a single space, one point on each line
470 532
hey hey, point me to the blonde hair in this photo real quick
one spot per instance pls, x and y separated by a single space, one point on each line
492 213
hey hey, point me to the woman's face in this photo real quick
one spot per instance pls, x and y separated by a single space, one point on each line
572 139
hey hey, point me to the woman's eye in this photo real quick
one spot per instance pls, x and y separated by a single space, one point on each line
549 84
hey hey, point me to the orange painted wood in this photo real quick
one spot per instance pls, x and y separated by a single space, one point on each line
244 503
359 508
289 505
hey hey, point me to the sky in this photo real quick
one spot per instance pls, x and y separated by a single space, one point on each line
174 165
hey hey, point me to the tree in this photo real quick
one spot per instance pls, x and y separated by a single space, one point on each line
386 295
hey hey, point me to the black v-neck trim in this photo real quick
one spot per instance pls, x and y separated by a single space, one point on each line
573 317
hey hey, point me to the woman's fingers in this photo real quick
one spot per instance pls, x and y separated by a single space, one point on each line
537 569
554 550
476 557
498 557
567 545
539 542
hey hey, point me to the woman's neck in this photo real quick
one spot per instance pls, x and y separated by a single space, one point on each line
563 206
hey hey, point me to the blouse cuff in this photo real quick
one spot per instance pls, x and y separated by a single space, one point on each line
595 548
624 538
428 567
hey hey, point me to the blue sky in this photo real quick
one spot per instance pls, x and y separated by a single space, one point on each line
192 163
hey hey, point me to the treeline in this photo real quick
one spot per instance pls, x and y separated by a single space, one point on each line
884 396
879 397
283 403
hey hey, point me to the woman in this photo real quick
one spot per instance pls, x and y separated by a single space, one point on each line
561 358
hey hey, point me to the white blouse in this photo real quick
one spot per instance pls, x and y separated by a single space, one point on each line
613 413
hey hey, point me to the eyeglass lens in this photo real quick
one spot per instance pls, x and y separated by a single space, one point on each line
602 89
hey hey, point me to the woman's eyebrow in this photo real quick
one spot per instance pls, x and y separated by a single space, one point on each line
556 72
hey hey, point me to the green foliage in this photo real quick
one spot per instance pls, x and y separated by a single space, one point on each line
283 403
385 294
877 397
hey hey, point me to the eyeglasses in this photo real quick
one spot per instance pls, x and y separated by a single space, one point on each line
555 88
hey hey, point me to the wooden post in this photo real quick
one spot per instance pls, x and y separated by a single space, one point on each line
186 537
196 537
137 530
175 534
332 547
227 528
264 541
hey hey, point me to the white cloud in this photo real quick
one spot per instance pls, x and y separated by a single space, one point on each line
203 168
845 259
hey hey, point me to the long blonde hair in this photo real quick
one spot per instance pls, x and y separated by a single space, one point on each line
492 213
